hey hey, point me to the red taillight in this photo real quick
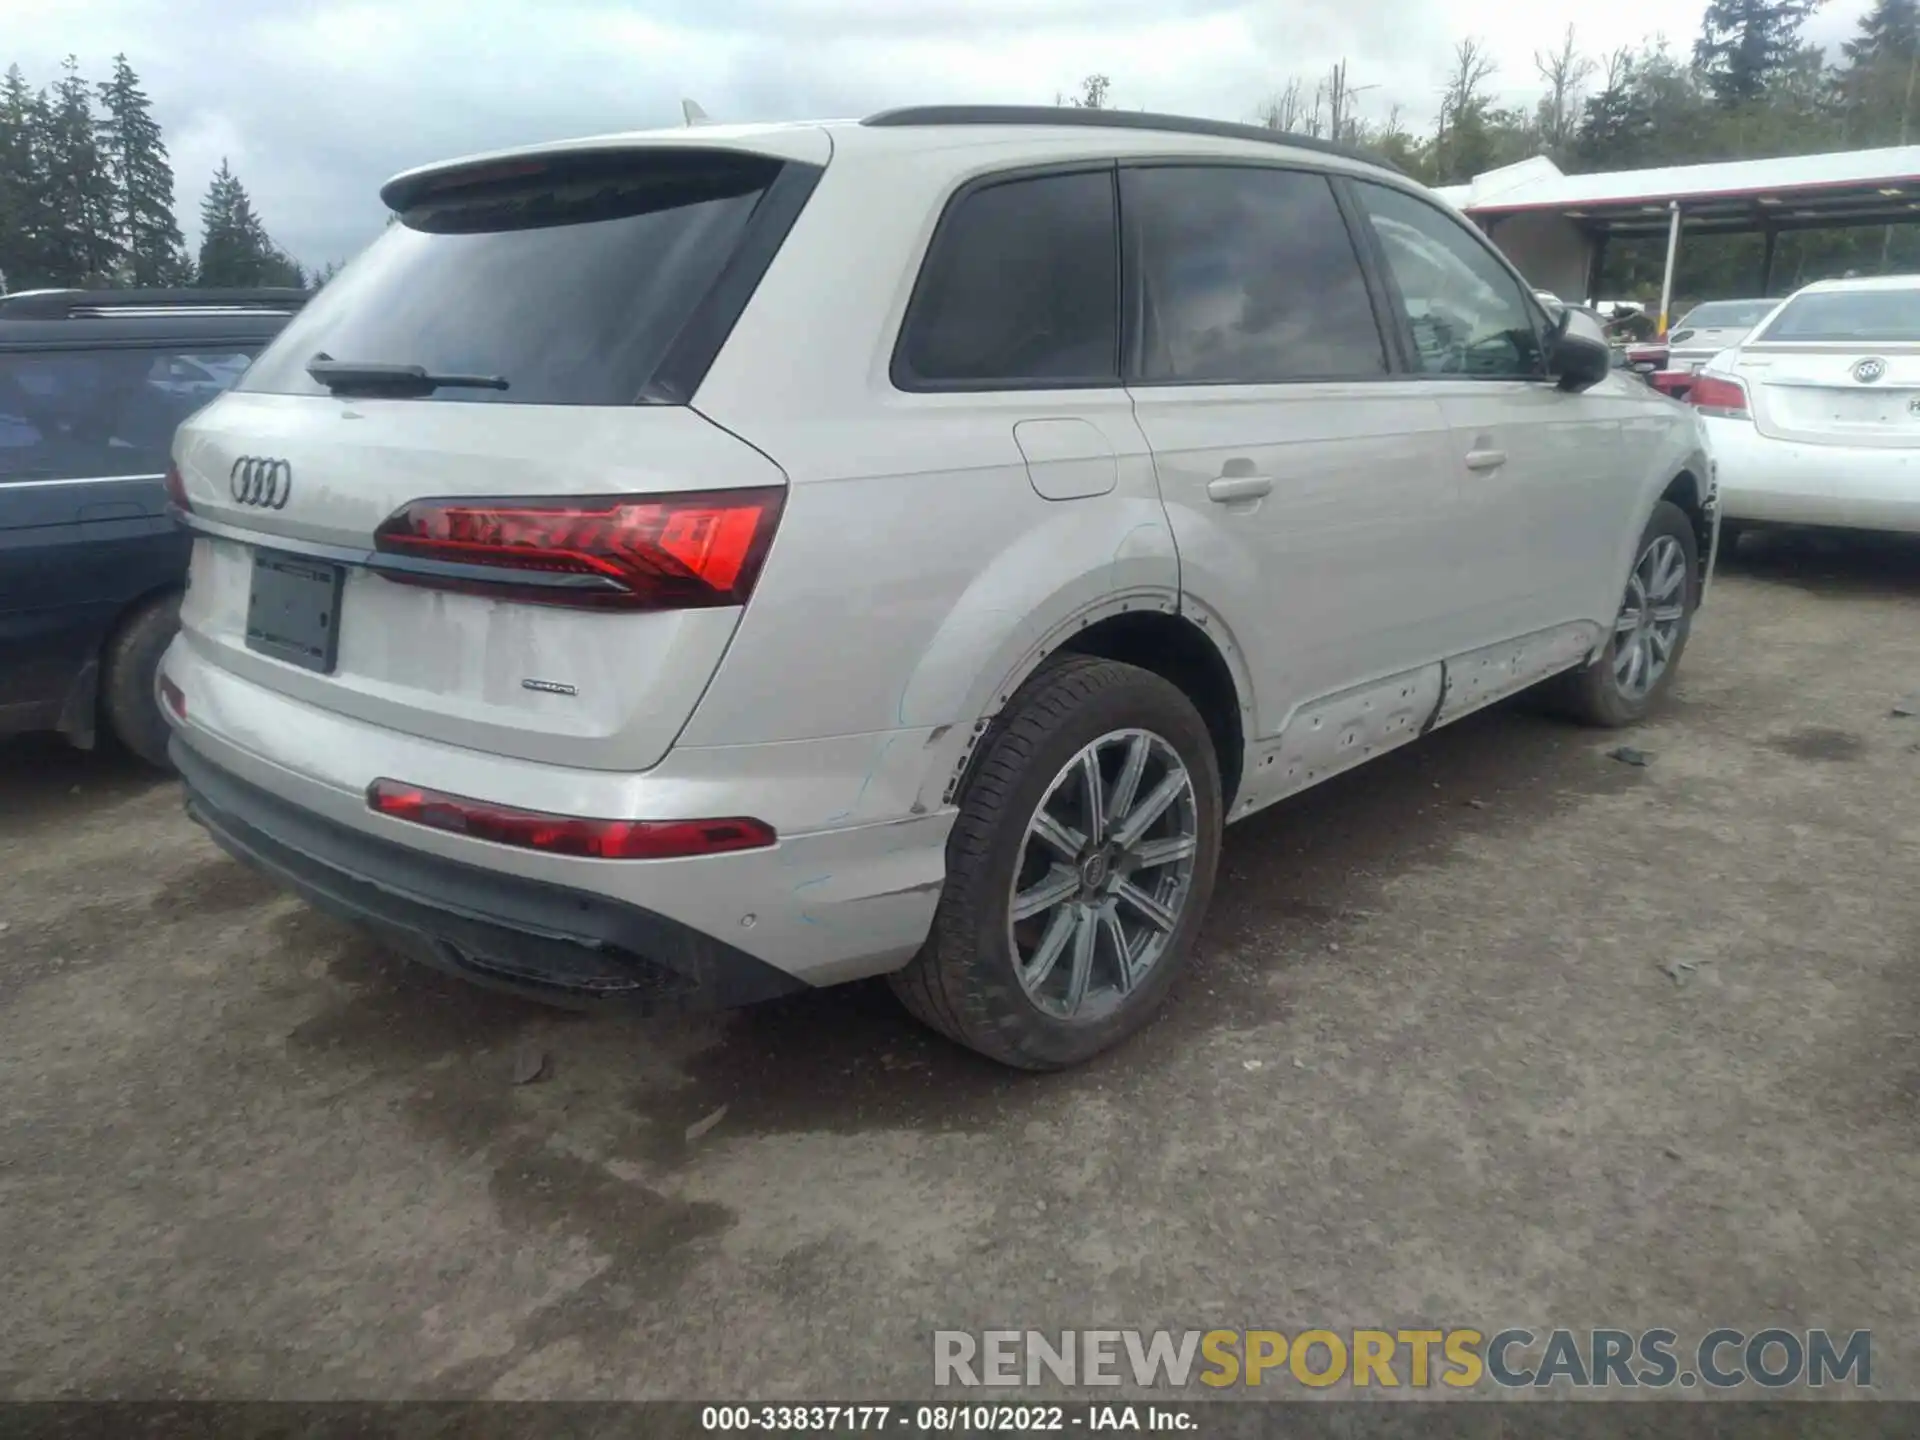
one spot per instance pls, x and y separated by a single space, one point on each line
176 488
567 834
647 552
173 698
1726 399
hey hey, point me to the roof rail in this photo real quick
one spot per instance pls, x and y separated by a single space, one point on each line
96 304
1114 120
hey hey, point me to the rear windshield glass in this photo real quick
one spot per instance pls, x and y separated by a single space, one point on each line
571 287
1726 315
1839 315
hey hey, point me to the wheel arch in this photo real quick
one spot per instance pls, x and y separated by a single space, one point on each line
1692 490
1154 634
1681 474
1180 652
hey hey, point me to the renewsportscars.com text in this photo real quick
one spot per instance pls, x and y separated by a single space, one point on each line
1460 1358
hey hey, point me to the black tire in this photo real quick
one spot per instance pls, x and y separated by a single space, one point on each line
1593 695
963 982
129 669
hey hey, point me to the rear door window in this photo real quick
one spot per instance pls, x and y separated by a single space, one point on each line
1020 290
571 286
1248 276
79 414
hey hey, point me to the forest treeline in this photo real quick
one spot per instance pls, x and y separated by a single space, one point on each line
87 190
1749 87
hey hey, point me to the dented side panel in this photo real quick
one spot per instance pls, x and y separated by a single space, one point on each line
1494 672
1338 732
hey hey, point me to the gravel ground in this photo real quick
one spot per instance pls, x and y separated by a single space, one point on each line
1500 1030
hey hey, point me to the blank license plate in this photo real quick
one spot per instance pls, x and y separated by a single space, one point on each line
293 610
1874 407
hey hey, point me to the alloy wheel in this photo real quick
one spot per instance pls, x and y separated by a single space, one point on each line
1647 632
1103 875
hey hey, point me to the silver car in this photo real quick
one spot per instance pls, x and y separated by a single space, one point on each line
700 565
1706 330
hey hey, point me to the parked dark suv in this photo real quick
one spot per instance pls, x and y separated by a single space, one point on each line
92 385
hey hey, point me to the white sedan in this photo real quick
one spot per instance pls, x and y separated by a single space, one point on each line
1814 418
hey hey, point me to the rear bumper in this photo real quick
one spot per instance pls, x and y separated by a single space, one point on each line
527 937
849 890
1788 482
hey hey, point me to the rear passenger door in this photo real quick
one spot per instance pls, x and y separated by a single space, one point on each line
1540 469
1310 483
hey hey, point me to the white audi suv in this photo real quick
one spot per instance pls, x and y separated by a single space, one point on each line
698 565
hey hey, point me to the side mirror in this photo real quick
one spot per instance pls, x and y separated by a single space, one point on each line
1577 351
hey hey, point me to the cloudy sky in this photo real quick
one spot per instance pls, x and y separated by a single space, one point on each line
315 102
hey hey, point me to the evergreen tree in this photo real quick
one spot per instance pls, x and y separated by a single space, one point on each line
136 158
1877 86
1607 119
25 225
226 231
1889 31
83 244
1744 44
235 249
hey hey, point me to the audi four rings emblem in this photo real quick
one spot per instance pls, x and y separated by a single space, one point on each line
260 482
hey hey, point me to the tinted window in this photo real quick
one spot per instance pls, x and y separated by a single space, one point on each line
68 414
1247 276
570 286
1021 285
1468 314
1841 315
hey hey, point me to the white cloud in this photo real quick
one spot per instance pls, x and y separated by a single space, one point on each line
315 102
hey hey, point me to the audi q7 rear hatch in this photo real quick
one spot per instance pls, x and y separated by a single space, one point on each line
464 495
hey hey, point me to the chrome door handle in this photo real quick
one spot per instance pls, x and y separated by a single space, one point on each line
1486 459
1229 488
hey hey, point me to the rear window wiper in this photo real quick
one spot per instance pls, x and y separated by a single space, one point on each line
365 377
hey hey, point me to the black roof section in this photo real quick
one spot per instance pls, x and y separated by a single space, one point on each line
1114 120
127 304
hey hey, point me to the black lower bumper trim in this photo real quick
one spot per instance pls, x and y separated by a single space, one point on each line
535 939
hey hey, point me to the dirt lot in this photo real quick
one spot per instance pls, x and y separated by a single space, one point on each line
1500 1031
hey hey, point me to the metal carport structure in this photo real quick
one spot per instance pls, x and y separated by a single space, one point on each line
1556 227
